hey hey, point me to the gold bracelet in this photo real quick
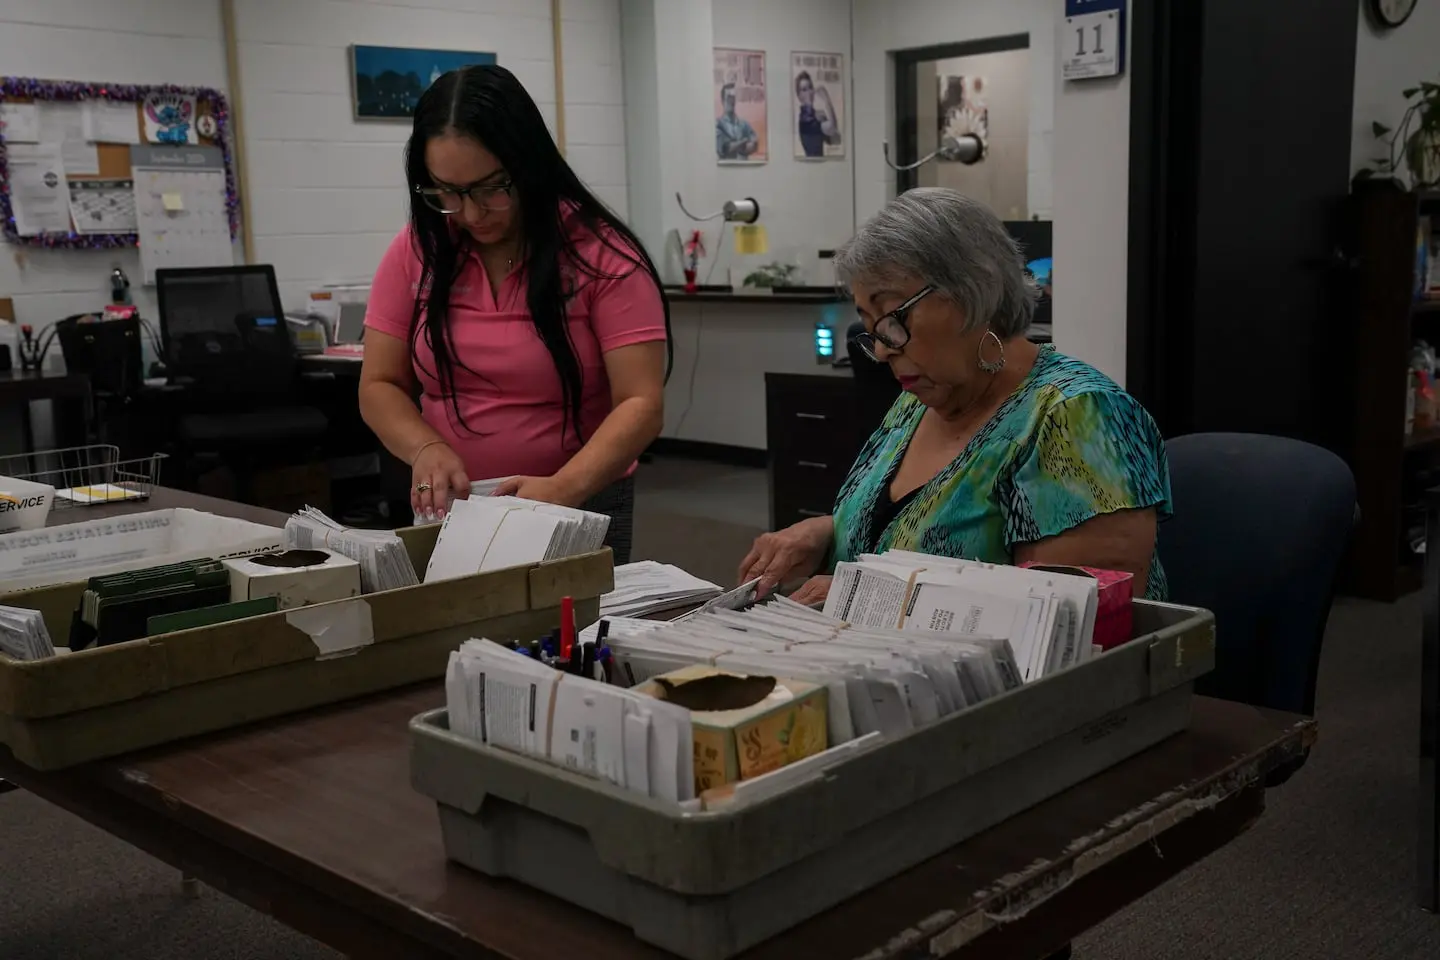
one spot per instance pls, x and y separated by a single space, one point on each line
427 443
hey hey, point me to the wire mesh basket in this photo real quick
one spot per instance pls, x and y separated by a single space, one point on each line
86 476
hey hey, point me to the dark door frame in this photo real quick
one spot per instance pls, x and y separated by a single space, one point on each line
1164 97
907 96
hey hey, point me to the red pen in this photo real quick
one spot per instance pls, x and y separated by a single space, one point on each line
567 627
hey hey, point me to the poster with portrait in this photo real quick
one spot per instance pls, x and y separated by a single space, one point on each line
740 127
817 96
963 110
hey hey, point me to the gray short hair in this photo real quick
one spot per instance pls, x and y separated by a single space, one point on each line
944 238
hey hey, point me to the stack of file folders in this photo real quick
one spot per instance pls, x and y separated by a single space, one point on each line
879 680
384 561
490 533
904 638
646 587
155 600
1048 617
23 635
503 698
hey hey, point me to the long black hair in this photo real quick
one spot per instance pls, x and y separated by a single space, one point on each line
487 104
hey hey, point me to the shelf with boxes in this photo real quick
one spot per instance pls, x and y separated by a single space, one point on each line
1395 434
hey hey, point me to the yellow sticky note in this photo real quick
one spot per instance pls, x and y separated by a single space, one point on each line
750 239
172 201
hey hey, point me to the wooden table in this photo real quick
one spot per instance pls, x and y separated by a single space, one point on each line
312 820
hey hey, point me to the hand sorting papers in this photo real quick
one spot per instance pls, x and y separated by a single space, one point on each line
1048 617
384 561
490 533
506 699
23 635
648 587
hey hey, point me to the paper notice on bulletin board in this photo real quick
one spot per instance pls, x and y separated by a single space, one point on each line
180 211
38 196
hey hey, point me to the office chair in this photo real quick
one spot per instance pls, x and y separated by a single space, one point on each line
875 386
1259 530
225 336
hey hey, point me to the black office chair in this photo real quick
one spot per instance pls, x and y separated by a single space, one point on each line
875 386
1260 528
226 336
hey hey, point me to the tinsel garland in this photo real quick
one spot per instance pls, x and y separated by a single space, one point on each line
40 91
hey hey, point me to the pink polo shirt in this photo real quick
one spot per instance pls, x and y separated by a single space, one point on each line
510 395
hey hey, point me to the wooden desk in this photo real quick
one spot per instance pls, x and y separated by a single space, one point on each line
312 820
70 390
162 498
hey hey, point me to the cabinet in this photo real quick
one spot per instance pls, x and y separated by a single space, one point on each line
814 430
1393 468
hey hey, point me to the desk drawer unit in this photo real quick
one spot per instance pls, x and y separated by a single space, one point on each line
813 435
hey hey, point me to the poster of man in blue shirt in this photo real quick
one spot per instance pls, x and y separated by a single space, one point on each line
740 134
735 139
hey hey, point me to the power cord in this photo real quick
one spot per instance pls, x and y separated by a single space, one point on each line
694 371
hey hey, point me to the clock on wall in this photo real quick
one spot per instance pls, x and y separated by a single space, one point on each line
1391 13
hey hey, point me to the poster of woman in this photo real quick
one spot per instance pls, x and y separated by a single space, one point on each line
817 92
740 106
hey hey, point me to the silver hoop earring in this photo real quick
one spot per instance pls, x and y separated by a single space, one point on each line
991 366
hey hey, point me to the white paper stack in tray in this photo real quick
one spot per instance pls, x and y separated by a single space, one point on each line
1049 618
384 562
497 696
648 587
23 635
489 533
878 680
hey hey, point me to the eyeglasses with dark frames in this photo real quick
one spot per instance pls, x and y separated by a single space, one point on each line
891 329
495 196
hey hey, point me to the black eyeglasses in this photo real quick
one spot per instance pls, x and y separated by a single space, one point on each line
496 197
891 329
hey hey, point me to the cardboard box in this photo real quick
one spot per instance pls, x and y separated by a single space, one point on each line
100 702
296 578
767 724
24 504
1114 615
73 552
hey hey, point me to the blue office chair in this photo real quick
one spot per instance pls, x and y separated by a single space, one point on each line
1260 528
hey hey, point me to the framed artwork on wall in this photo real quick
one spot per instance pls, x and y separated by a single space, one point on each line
740 124
817 96
386 82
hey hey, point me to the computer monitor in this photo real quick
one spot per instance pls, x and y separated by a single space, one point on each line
1035 239
224 325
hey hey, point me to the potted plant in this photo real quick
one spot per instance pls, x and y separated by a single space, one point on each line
1415 142
771 276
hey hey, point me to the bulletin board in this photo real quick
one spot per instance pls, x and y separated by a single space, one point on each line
163 116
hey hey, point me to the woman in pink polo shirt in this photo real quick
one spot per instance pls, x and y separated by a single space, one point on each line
528 314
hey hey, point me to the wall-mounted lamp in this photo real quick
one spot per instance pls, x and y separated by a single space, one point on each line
734 211
966 149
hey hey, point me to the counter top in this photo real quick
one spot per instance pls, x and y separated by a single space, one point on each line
719 294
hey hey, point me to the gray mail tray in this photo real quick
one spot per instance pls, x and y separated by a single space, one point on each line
708 885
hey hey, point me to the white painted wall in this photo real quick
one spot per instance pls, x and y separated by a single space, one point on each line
884 26
806 206
116 41
327 192
1387 62
1092 216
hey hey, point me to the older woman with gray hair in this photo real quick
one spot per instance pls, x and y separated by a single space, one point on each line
997 449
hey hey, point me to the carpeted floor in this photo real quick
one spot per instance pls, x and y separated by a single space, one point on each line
1327 873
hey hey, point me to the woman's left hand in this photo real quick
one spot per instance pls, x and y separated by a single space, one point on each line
812 591
544 489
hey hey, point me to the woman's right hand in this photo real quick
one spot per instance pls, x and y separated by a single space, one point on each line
788 555
437 477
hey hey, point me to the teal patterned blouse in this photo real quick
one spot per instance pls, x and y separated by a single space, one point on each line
1066 446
